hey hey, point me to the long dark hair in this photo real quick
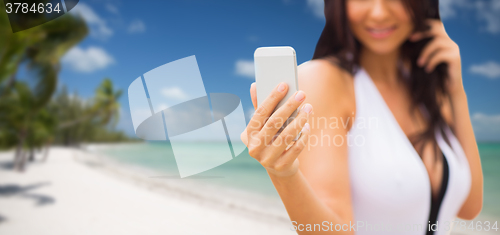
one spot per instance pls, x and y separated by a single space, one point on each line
338 45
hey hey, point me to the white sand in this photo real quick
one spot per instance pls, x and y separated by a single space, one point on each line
76 192
66 195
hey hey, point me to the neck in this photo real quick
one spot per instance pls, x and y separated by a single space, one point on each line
382 68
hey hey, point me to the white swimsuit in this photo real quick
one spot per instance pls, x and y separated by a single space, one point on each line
390 185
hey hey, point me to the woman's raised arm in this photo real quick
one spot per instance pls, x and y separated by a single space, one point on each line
316 192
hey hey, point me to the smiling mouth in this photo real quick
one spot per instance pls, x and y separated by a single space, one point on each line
381 32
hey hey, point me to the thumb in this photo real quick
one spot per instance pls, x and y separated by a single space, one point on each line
253 95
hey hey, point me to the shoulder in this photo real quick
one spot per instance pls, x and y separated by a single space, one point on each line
327 86
322 69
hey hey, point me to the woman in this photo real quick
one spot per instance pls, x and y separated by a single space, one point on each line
389 147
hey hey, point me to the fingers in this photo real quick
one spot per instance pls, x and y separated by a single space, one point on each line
431 49
437 51
253 95
435 61
267 107
276 121
419 36
291 131
277 148
289 157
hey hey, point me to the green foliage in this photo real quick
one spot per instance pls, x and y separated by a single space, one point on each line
66 120
90 120
29 116
24 120
41 48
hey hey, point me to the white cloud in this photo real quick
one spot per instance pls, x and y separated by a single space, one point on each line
174 93
137 26
112 8
87 60
487 11
317 7
486 127
489 119
245 68
490 69
448 8
98 26
162 106
490 13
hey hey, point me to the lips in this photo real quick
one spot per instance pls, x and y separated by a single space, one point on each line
380 33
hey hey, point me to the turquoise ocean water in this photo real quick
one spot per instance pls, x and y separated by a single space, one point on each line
245 173
490 161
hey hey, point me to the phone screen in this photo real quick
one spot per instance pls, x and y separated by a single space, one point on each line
271 71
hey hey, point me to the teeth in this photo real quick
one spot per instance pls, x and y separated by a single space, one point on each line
380 30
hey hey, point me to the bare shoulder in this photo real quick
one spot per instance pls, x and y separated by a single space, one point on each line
327 86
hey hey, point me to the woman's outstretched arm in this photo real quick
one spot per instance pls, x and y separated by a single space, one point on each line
316 192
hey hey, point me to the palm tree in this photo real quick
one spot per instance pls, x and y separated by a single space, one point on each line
82 120
41 48
41 132
28 119
27 127
105 106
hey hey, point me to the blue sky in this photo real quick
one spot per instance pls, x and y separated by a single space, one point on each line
129 38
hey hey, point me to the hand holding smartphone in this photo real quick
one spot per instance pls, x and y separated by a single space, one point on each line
278 117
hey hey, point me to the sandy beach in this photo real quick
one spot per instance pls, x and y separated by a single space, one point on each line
77 193
82 192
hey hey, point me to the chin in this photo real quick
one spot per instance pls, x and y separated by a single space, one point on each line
382 49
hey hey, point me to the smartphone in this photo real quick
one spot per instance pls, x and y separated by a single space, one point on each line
274 65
